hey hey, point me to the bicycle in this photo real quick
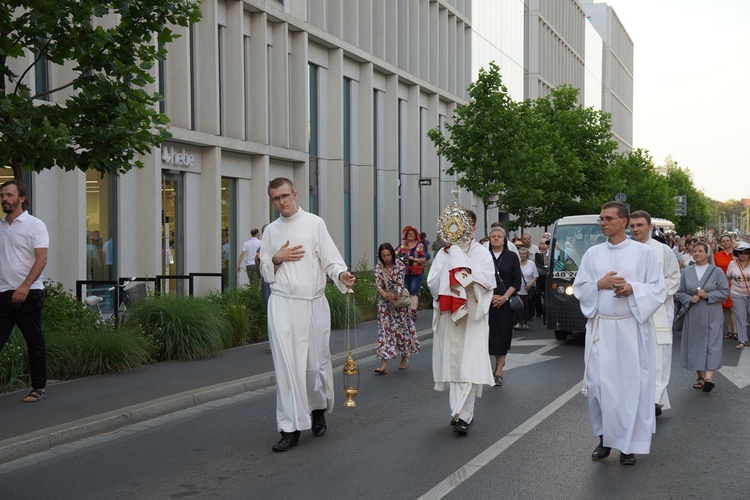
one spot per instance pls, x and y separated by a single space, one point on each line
128 293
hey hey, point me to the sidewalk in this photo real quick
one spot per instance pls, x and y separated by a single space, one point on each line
86 407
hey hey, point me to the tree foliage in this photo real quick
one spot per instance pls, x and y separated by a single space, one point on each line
582 176
484 138
538 160
104 113
699 207
729 214
645 188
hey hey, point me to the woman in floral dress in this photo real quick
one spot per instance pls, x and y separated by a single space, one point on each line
396 332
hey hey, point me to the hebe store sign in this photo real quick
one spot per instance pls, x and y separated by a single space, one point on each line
178 157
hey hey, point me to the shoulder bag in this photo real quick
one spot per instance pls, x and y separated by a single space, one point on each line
403 300
414 269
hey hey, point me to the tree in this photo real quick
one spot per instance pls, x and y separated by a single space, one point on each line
645 188
584 154
484 139
728 215
698 205
104 114
539 160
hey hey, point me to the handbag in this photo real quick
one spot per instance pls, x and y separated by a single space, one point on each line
680 318
516 304
403 300
415 270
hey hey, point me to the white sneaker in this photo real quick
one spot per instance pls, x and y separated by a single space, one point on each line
517 326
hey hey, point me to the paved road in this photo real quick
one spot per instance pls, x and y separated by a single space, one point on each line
530 440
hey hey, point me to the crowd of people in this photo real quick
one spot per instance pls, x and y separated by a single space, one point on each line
630 289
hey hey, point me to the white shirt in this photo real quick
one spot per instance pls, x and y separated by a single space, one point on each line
250 247
17 243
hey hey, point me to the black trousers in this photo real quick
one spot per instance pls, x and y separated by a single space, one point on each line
28 317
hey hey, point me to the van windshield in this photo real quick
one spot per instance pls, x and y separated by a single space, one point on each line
571 242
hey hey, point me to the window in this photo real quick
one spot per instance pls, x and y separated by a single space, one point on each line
229 242
312 131
347 172
101 226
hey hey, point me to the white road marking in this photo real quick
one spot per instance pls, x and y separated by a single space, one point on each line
484 458
739 375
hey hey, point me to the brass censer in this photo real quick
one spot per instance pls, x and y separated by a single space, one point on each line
351 371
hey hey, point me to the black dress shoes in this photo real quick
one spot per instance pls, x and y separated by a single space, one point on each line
600 451
319 422
658 410
461 427
288 441
628 458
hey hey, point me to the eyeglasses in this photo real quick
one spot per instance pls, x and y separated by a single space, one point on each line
282 197
608 220
743 252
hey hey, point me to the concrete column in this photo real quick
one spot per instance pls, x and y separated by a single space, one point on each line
207 70
258 78
332 145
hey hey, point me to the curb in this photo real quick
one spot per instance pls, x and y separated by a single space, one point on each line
51 437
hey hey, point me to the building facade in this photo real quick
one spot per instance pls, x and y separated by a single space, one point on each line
617 70
338 96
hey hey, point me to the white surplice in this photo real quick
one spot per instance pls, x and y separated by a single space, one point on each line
663 319
299 318
460 359
619 354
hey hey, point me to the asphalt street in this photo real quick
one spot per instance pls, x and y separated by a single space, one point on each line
530 439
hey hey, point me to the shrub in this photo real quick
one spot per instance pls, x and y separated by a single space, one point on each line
364 290
338 304
182 328
245 311
105 350
78 344
14 363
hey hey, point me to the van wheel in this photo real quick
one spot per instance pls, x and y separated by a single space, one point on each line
561 334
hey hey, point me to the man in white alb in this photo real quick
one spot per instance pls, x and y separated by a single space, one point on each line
640 228
296 255
620 285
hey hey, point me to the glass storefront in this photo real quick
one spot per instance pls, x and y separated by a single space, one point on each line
171 248
229 241
101 220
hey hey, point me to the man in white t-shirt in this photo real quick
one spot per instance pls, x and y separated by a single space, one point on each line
24 242
247 256
528 245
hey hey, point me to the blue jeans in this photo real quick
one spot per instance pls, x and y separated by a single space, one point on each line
413 283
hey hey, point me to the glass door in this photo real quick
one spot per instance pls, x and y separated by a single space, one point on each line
172 246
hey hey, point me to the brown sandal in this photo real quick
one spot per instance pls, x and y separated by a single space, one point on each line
404 364
382 369
698 384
